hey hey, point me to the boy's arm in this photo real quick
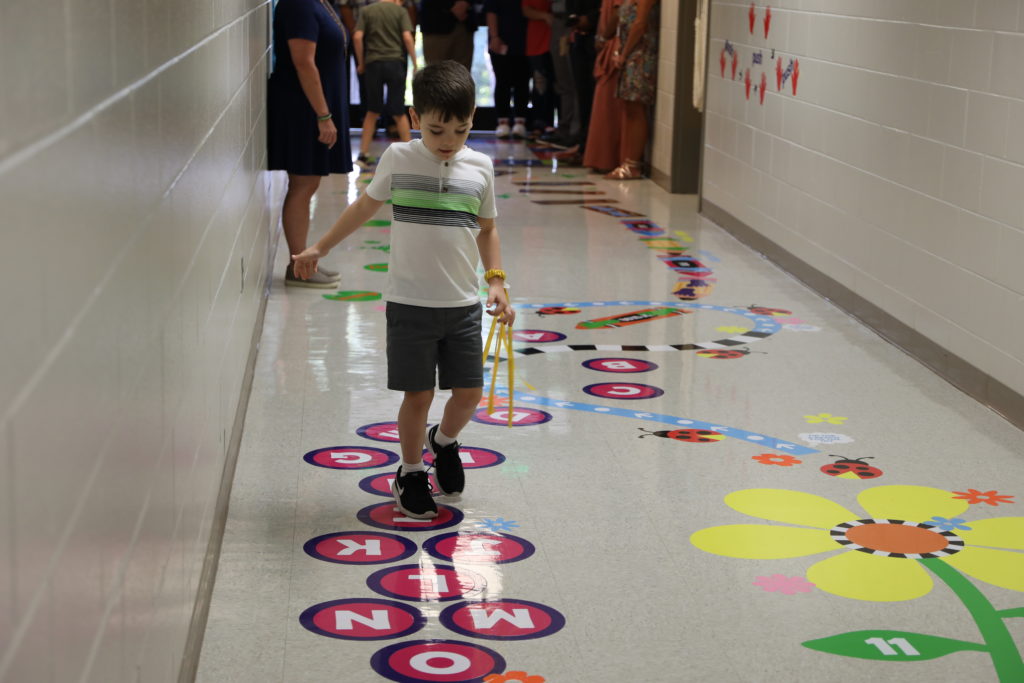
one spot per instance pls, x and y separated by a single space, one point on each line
351 218
489 245
410 47
357 44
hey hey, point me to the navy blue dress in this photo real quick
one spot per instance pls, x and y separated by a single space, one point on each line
292 129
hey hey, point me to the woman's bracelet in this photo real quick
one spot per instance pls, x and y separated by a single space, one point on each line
494 272
325 117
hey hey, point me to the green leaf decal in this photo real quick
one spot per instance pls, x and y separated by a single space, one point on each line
897 646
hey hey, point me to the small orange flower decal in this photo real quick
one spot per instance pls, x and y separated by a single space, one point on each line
776 459
499 402
974 496
513 677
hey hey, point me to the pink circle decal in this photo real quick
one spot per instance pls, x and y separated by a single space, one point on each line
360 547
619 365
430 661
478 548
473 457
426 583
380 484
521 417
623 390
537 336
387 516
350 457
380 431
363 619
507 619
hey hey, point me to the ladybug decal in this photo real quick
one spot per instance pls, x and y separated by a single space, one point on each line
557 310
761 310
726 354
850 468
686 435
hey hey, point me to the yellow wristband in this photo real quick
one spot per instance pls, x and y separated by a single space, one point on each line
494 272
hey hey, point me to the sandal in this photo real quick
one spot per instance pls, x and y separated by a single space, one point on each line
569 157
629 170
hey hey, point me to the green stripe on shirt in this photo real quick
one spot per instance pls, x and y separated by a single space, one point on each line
443 201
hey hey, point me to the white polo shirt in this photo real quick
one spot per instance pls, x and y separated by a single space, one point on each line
435 206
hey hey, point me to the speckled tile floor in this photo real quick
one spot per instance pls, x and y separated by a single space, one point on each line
714 474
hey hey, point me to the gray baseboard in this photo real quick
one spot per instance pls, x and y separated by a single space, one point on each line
958 372
201 607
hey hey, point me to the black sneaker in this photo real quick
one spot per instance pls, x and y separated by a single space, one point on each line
412 495
447 464
364 162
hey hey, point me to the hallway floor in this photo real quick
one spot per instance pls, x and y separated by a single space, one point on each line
712 474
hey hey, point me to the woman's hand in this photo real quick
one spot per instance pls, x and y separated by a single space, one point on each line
328 133
497 46
304 264
497 303
618 59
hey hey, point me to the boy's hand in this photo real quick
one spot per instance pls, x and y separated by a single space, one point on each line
497 304
304 264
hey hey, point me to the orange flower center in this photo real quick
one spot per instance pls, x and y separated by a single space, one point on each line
897 538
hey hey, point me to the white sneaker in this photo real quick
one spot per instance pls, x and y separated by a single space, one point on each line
318 280
503 131
519 130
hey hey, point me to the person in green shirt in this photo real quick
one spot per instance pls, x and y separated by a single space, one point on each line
382 39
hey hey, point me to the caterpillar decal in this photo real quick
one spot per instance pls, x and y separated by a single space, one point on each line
726 354
624 319
774 312
557 310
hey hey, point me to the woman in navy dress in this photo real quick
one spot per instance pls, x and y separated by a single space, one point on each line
307 114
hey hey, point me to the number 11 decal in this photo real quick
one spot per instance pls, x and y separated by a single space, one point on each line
885 646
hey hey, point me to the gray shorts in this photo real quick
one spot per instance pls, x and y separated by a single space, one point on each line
425 341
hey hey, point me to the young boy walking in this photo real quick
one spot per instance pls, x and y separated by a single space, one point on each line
442 226
382 39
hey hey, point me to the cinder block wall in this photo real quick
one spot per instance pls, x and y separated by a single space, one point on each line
897 166
662 139
136 241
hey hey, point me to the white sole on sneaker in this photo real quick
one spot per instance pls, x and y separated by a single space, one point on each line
311 284
401 508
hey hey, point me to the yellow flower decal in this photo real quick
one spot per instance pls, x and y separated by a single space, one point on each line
869 553
825 417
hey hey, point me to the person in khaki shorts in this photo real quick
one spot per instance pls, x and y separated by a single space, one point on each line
442 227
382 40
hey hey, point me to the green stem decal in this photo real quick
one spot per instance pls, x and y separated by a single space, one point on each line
1015 612
1005 656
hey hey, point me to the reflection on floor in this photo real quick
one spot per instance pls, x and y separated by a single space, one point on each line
711 474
